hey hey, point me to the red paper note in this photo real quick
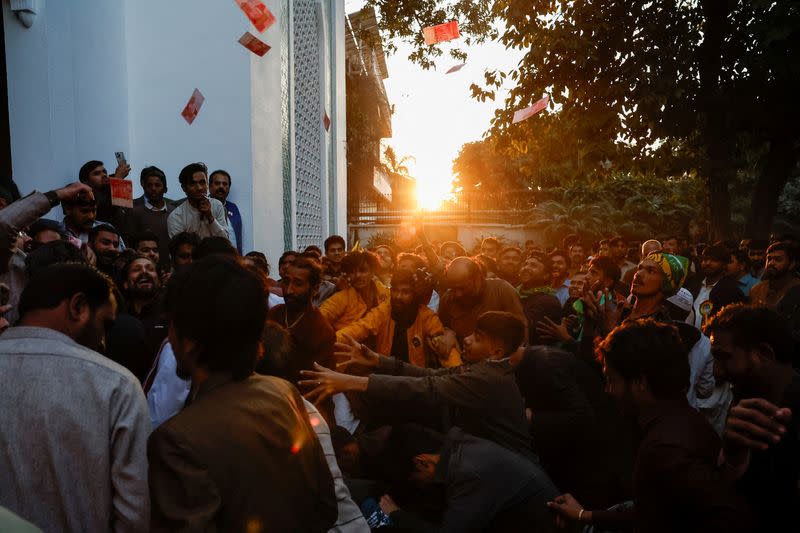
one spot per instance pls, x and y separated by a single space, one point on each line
254 44
441 33
121 192
455 68
326 121
261 17
528 112
189 112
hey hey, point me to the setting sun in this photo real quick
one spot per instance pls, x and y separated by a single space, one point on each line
431 194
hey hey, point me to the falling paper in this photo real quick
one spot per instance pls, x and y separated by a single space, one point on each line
455 68
189 112
441 33
261 17
528 112
121 192
254 44
326 121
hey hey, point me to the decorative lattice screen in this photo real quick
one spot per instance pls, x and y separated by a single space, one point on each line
307 123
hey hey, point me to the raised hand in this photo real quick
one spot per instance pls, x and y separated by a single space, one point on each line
354 356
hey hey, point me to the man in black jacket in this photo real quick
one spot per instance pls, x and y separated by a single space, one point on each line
717 289
487 487
481 396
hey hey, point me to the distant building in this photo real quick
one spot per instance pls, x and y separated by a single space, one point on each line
371 188
91 77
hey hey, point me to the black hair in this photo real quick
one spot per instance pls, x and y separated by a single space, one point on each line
189 170
180 239
332 240
751 326
224 173
460 250
152 171
44 224
95 231
742 257
543 258
310 265
666 366
86 169
313 248
490 240
146 235
758 244
284 255
509 249
260 261
52 253
569 240
561 253
227 333
404 443
485 263
617 238
419 261
55 283
355 260
788 248
718 252
277 358
129 259
214 246
607 266
502 326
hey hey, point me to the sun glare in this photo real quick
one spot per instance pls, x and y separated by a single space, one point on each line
431 194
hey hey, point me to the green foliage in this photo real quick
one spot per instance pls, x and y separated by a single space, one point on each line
670 88
636 206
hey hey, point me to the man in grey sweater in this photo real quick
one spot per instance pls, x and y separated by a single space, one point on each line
74 424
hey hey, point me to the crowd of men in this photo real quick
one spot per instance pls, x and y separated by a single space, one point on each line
154 378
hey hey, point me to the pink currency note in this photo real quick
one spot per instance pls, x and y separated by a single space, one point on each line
441 33
528 112
189 112
254 44
261 17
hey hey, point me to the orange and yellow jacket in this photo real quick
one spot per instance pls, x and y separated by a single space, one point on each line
345 307
378 322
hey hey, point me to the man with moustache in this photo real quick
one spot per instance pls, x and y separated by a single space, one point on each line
403 325
538 298
778 276
219 185
198 214
468 296
717 289
312 336
105 242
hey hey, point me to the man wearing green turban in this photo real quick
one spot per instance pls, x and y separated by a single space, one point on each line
675 269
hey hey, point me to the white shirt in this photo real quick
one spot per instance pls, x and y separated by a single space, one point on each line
695 318
151 207
186 218
168 393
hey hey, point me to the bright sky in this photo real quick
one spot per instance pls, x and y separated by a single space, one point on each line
435 113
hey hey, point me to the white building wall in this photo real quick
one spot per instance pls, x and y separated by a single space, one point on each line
92 77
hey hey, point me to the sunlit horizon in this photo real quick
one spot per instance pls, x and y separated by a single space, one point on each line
435 114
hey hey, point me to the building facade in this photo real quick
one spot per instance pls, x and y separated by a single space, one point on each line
87 78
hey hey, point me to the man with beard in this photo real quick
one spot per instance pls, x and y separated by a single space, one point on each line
559 259
104 242
335 251
467 297
490 246
242 452
619 252
717 289
778 276
146 244
361 294
198 214
761 444
756 249
181 250
312 336
95 175
142 291
481 396
509 261
219 185
80 215
538 298
403 326
577 257
150 212
677 483
73 421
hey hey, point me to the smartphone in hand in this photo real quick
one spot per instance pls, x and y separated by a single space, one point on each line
121 158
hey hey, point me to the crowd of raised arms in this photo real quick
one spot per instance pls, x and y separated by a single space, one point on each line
153 378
